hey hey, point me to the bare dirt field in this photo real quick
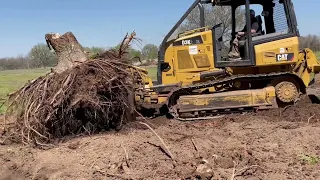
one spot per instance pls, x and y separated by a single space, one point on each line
275 144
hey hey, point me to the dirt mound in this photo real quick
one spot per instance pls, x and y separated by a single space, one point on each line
263 145
303 111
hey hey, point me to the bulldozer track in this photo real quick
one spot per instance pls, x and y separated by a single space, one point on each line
176 93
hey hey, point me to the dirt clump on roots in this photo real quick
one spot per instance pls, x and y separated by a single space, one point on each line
86 98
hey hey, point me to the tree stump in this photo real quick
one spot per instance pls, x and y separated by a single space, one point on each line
68 50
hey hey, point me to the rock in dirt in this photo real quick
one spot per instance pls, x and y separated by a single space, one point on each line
204 170
224 162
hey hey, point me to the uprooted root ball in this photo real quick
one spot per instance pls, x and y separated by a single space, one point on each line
88 98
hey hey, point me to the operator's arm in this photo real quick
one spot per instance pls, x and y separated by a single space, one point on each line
254 29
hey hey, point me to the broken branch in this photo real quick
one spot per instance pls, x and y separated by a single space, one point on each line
161 140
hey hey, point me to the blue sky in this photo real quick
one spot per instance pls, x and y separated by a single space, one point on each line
104 22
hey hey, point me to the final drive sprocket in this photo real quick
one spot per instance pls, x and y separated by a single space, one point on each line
286 91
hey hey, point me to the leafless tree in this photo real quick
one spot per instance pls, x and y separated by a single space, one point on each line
215 15
19 62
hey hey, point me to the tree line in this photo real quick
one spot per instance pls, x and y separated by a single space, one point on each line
40 56
310 41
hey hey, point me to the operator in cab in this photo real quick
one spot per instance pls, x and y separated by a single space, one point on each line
234 53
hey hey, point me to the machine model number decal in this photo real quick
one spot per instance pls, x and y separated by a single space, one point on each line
193 50
188 42
285 57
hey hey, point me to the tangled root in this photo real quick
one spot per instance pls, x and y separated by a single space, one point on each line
92 96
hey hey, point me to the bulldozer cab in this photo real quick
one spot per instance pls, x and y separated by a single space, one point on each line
276 21
195 53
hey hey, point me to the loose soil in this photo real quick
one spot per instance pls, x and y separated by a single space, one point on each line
274 144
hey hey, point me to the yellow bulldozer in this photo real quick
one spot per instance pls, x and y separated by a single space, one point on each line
196 80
